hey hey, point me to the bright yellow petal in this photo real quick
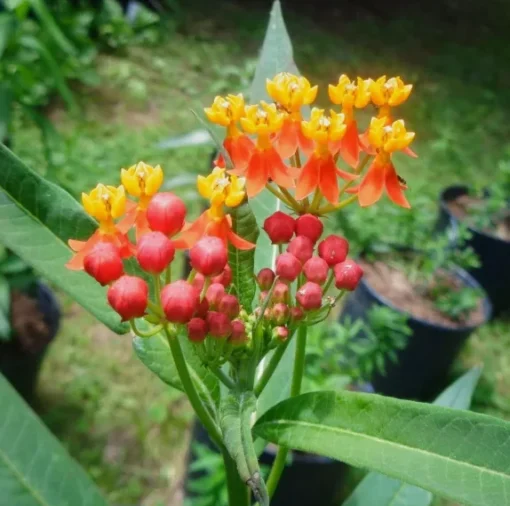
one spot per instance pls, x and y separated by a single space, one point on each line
154 181
203 187
234 199
118 204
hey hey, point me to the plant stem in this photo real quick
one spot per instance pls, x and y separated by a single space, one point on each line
336 207
328 282
290 198
280 196
168 275
271 367
143 333
316 200
238 492
157 288
190 390
223 378
295 389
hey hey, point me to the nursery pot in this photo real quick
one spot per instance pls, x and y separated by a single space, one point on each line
422 368
20 366
309 480
494 252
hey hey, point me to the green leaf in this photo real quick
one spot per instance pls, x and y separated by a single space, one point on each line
5 309
276 56
6 101
6 25
242 262
460 455
35 469
36 219
379 490
155 353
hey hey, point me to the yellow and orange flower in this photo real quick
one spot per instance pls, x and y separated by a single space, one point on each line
265 164
320 170
143 182
105 204
381 174
227 112
291 93
221 190
350 94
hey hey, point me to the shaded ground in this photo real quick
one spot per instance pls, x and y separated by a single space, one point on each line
118 420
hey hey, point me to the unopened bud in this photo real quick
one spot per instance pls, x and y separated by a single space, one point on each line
198 281
347 275
309 296
197 330
104 263
281 333
128 296
316 269
202 308
265 278
281 292
225 278
166 213
239 335
310 226
154 252
296 314
280 227
333 249
301 247
229 304
219 325
214 294
280 313
288 267
180 301
209 256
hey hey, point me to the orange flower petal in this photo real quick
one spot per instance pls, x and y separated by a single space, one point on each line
328 181
309 178
76 262
409 152
394 188
76 245
365 144
372 186
256 174
305 144
193 233
287 142
141 224
277 170
349 148
126 224
240 150
238 242
348 176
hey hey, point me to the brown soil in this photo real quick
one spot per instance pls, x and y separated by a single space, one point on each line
28 323
461 206
394 285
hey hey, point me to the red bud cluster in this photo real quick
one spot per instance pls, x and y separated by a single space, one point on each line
180 301
155 252
347 275
166 213
333 249
128 296
280 227
310 226
104 263
302 248
209 256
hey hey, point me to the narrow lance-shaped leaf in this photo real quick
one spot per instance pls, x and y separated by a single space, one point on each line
242 262
380 490
35 469
460 455
37 218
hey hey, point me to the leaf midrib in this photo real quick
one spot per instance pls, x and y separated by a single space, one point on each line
384 442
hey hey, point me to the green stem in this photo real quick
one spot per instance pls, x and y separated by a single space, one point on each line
190 390
238 492
157 288
279 195
143 333
295 389
168 275
271 367
328 282
223 378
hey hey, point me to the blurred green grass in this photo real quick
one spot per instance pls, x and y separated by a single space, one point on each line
117 419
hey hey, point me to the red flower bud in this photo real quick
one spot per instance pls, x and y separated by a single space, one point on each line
280 292
229 304
225 278
214 294
238 336
280 313
265 278
281 333
104 263
310 226
209 256
296 314
198 281
280 227
333 249
347 275
202 308
288 267
154 252
219 325
166 213
309 296
301 247
197 330
128 296
316 269
180 301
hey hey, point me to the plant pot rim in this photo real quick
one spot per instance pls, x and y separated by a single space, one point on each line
443 204
459 273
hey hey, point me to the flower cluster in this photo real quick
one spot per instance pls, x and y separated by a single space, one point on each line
265 141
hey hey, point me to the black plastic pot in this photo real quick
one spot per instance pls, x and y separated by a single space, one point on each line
494 253
21 367
423 366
